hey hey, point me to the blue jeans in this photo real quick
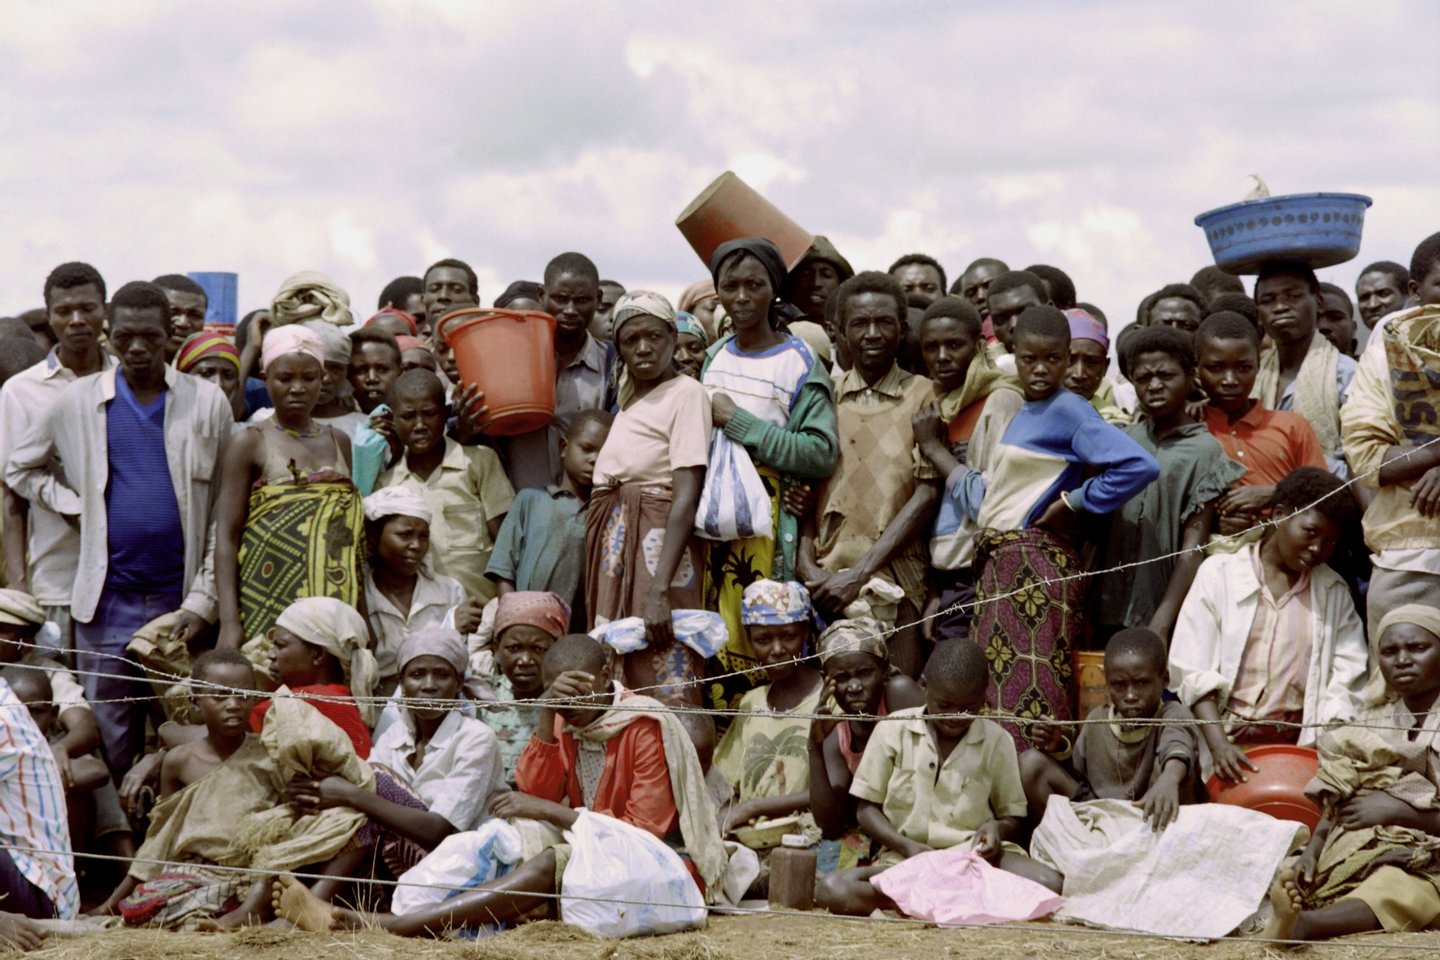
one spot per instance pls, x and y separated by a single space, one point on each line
121 699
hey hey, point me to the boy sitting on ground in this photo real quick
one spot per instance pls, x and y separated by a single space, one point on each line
1154 765
931 780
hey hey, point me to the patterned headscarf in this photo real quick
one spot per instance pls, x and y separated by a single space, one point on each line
771 603
1083 326
861 635
532 608
283 341
641 303
686 323
395 502
202 346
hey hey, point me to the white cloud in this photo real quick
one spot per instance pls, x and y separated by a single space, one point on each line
368 139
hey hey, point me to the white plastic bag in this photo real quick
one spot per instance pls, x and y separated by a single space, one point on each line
624 882
461 862
703 631
733 502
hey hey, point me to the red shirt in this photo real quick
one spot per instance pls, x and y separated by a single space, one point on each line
1268 443
343 713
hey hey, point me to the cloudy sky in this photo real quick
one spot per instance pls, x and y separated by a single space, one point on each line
367 139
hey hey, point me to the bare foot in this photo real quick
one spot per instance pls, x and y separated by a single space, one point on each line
1286 902
20 932
295 903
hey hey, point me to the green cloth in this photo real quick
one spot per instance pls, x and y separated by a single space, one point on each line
805 450
541 546
1194 471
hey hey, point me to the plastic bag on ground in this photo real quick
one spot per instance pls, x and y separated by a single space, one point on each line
621 881
734 504
958 887
462 862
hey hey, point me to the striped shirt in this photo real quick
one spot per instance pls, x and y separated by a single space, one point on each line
32 807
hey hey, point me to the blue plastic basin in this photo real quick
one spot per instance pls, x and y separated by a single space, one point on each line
1320 229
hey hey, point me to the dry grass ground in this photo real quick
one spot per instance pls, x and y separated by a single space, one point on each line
770 937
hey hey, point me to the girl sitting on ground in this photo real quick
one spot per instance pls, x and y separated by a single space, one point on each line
861 681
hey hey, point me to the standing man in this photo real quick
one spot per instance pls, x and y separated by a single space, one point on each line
1383 287
188 303
921 274
75 303
610 291
130 456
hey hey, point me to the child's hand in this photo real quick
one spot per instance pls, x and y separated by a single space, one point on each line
62 760
468 616
145 773
569 686
736 815
987 841
470 411
928 615
1057 520
382 421
1231 762
513 805
1161 804
927 426
913 848
1247 500
1374 808
1305 867
1047 737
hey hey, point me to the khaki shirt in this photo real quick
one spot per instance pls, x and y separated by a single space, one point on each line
939 804
464 493
62 461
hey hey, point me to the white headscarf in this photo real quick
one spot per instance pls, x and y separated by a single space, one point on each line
281 341
395 502
338 628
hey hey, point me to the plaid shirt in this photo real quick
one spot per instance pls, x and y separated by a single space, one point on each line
32 807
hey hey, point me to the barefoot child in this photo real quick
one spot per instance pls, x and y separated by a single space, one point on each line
156 892
1372 862
465 487
541 544
929 781
1152 765
1268 639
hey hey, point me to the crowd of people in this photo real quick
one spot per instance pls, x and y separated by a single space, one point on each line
283 601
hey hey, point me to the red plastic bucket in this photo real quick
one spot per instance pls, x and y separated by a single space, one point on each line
728 209
509 355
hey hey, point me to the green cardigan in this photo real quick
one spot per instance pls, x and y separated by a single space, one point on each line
807 448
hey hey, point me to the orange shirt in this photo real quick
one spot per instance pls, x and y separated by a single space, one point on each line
1267 443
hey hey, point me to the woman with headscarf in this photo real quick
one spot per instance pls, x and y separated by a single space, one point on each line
435 770
770 394
288 518
691 342
211 356
861 682
403 593
527 622
700 301
641 553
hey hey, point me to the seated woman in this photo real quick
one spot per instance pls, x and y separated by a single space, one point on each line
1268 639
527 622
764 753
403 593
1374 860
435 770
862 682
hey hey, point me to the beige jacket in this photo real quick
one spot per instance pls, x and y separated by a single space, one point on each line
198 422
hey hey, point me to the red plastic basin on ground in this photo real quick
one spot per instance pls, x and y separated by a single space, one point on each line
1278 788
